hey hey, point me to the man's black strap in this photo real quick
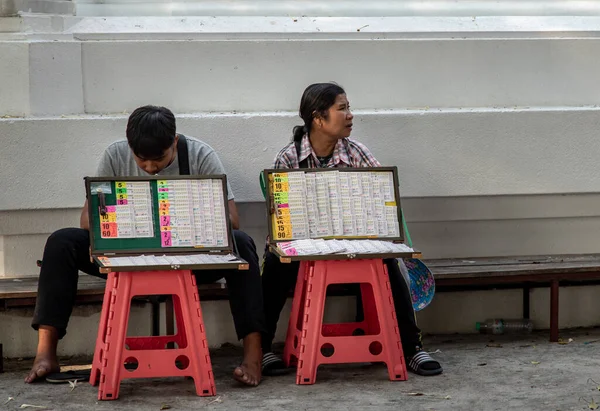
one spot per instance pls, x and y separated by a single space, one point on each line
182 156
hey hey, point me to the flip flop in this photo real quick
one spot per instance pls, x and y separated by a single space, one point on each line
422 364
72 375
272 365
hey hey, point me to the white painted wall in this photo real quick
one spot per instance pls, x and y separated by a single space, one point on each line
270 75
14 7
56 79
491 122
335 8
449 234
14 79
485 64
476 152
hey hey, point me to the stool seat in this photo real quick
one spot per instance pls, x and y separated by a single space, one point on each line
117 357
310 343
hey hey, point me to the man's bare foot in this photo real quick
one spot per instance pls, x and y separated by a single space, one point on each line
249 372
46 361
42 366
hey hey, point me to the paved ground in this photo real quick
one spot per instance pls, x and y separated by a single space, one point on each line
481 373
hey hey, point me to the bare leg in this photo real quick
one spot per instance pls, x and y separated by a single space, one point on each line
249 372
46 361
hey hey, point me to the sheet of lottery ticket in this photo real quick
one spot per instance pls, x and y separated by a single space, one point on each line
131 216
168 260
324 247
192 213
334 204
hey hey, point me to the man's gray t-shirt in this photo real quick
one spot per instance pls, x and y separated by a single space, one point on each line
118 161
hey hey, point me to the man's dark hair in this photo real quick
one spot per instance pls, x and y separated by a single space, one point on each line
151 131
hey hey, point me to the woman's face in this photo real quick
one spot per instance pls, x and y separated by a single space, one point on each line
338 123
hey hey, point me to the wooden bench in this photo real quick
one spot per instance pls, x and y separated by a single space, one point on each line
22 292
450 275
518 272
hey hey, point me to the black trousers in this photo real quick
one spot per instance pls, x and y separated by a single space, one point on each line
278 279
67 252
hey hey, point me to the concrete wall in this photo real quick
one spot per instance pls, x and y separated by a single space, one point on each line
475 183
491 123
438 152
270 75
337 8
14 7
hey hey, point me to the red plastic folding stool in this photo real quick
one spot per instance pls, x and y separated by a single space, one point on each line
114 349
310 343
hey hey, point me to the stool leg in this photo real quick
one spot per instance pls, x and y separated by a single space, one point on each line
312 324
389 325
179 337
370 309
120 304
101 337
290 349
191 314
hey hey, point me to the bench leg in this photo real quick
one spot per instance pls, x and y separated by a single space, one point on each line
554 311
526 305
1 360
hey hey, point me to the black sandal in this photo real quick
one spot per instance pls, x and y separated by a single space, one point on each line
422 364
73 375
272 365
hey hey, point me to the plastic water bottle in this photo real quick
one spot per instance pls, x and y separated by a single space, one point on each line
499 326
